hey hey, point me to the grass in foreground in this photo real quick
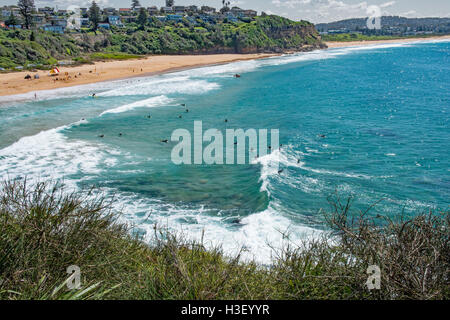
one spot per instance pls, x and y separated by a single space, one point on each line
43 230
113 56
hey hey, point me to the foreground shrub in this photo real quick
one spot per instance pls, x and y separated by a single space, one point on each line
413 255
43 230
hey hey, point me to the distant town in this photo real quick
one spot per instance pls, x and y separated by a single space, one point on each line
390 26
61 21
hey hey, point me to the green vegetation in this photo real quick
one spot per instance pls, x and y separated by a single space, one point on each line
113 56
94 15
263 34
17 49
391 26
44 230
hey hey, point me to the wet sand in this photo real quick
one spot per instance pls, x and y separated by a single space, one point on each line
15 83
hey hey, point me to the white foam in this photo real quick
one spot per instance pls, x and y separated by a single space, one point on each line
160 85
225 70
147 103
49 155
170 84
261 235
286 158
61 93
153 85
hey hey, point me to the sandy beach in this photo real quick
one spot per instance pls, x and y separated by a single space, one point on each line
367 43
14 83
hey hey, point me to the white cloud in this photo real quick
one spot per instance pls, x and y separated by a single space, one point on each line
238 3
329 10
409 14
64 4
387 4
290 3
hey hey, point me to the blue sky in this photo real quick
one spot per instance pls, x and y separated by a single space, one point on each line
312 10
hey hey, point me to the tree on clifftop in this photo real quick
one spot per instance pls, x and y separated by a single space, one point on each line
142 18
94 15
226 6
12 21
26 8
135 4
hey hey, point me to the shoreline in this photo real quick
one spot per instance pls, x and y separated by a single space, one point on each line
13 83
336 44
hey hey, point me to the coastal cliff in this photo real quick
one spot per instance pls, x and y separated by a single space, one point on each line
265 34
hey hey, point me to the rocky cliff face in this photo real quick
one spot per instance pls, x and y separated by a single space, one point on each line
267 34
278 40
264 34
284 38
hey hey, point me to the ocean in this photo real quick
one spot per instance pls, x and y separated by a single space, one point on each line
369 122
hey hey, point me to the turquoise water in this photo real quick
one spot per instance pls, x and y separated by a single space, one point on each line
383 112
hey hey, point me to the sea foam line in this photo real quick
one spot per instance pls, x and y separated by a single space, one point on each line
147 103
261 235
172 84
49 155
160 85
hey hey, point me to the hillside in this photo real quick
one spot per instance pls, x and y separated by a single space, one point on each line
391 25
265 34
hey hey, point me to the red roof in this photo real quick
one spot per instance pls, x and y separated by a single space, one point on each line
124 9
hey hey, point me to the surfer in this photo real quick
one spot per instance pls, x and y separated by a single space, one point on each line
165 141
